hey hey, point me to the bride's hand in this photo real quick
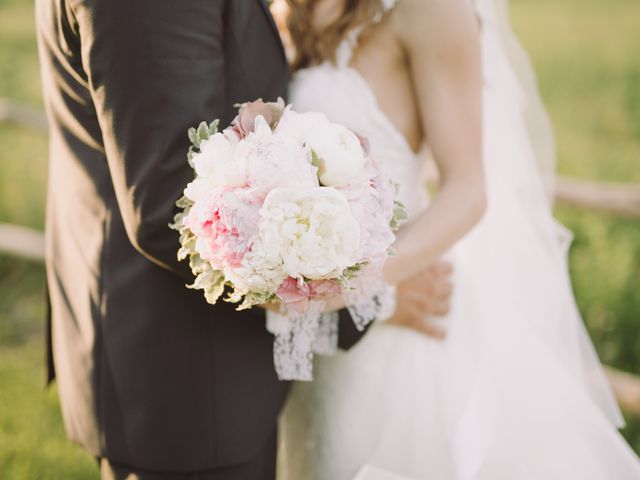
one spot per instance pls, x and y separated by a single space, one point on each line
422 296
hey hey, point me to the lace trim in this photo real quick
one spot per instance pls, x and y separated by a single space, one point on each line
298 336
368 297
295 336
344 52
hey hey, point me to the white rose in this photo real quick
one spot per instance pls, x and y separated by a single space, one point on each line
218 162
337 149
310 231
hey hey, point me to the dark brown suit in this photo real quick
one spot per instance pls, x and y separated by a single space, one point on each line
149 374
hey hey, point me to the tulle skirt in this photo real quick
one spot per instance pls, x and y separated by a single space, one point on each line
515 392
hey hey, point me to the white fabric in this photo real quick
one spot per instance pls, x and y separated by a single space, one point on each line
516 391
496 14
373 473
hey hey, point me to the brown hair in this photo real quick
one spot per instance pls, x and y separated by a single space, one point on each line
312 44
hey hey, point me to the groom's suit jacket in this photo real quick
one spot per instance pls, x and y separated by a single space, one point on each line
149 374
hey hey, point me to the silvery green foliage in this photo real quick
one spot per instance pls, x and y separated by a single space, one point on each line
211 281
197 134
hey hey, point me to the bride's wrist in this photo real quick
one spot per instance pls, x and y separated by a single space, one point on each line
391 271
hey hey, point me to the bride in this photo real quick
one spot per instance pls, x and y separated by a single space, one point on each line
515 391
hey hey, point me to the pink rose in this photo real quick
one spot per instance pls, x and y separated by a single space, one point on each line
245 121
225 224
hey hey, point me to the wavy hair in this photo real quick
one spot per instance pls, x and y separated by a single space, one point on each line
312 43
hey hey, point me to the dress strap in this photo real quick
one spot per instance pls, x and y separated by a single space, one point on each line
344 52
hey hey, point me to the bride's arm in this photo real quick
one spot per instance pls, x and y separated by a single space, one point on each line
441 39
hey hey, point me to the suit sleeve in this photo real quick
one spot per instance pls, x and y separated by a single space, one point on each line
154 68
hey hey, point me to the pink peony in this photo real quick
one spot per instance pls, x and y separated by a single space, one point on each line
225 224
371 199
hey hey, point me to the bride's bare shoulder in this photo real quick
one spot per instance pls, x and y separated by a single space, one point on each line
432 23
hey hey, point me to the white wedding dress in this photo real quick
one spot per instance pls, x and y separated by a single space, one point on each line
516 391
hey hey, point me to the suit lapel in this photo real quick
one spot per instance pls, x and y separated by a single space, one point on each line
265 9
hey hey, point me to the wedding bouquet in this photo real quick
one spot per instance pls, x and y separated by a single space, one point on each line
288 208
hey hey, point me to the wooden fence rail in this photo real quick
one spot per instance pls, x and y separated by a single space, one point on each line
21 242
615 198
23 115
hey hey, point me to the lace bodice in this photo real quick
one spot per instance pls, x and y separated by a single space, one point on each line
341 92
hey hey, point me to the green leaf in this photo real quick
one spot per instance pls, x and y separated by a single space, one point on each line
196 135
215 291
400 214
190 154
193 137
213 127
317 162
202 132
184 202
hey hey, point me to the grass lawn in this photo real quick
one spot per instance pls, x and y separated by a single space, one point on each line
585 52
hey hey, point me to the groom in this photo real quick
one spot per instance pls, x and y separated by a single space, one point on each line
153 381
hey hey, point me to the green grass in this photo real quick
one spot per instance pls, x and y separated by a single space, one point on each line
32 441
22 152
585 52
18 52
23 169
585 55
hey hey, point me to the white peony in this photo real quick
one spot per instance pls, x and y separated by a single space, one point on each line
275 160
338 152
300 125
310 231
219 162
258 272
199 188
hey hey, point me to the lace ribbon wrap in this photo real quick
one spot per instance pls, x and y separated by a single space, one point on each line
298 336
